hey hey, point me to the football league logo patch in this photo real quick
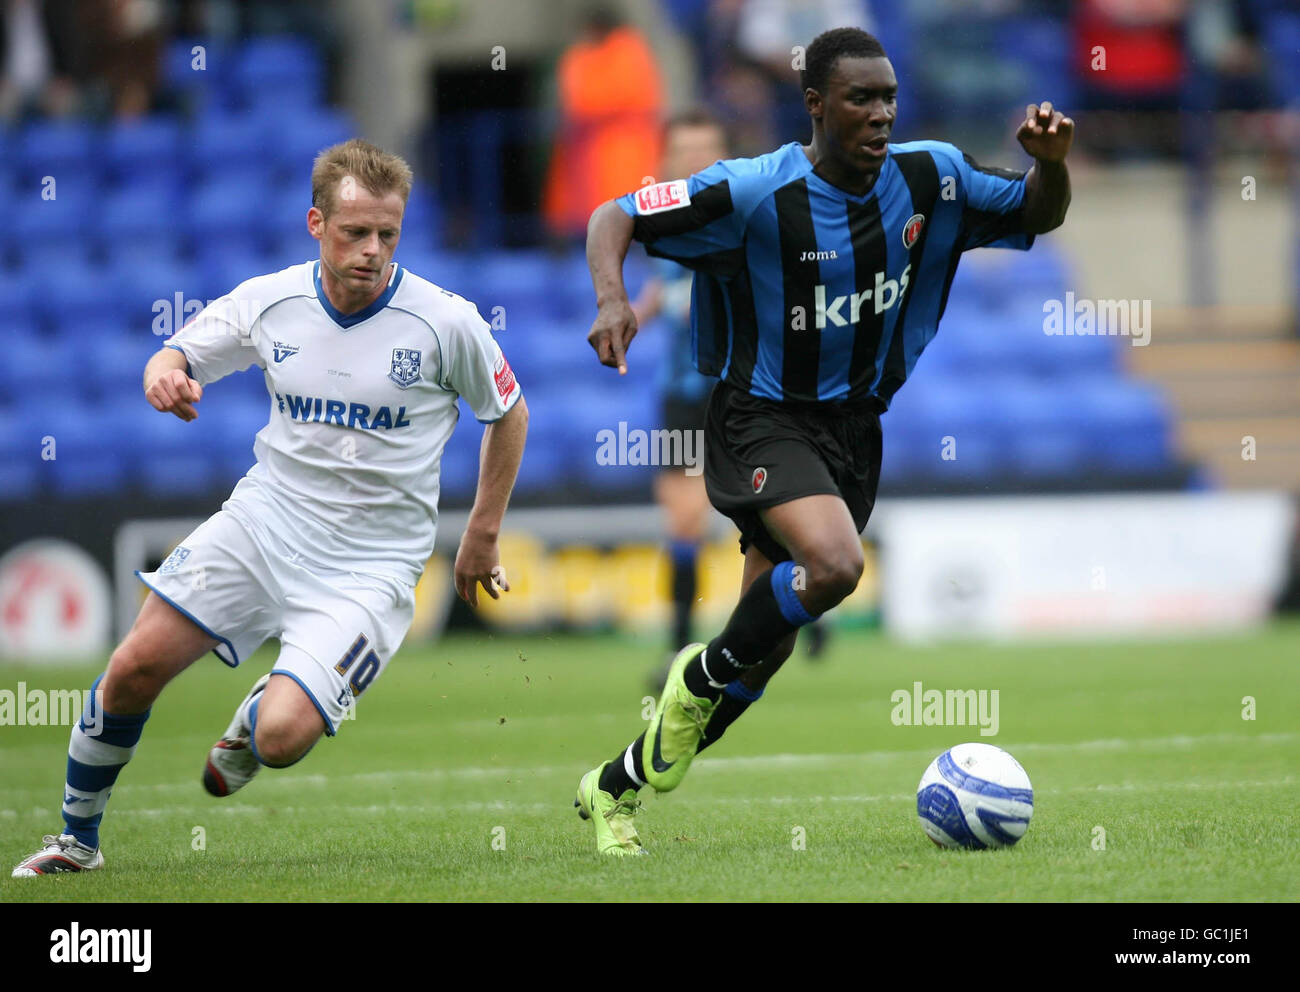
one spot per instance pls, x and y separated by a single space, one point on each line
912 230
662 196
406 367
758 480
174 561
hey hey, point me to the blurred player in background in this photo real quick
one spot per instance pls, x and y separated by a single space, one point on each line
822 271
693 141
321 544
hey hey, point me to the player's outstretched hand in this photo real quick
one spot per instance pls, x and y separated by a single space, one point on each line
477 564
611 333
1045 133
175 392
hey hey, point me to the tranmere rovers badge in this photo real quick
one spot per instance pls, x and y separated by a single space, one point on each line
406 367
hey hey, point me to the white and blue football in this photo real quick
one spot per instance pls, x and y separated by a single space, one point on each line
975 796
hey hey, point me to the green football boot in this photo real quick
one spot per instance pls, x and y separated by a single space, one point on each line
677 727
615 834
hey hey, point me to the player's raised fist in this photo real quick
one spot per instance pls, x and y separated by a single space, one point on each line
1045 133
175 392
611 333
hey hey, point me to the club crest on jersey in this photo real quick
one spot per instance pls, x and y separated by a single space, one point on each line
912 230
174 561
406 367
662 196
758 480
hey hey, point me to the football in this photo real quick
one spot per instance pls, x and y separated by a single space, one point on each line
975 796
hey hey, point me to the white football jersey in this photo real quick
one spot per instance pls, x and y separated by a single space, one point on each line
361 406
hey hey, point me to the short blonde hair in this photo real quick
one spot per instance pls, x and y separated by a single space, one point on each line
369 166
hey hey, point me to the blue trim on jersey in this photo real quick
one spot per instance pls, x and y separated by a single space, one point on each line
189 371
352 319
194 620
329 726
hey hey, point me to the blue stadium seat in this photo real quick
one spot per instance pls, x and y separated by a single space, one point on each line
16 300
36 221
283 71
1129 424
1282 40
115 363
200 86
58 148
222 212
86 300
142 148
219 142
20 456
302 136
148 294
89 448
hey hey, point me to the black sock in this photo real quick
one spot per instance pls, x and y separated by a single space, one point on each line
768 612
736 698
615 780
684 555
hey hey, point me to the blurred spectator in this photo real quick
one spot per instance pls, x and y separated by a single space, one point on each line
1130 52
36 65
100 56
611 105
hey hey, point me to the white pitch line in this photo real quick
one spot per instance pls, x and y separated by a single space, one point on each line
712 766
506 806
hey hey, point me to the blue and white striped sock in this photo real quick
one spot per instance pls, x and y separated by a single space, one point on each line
100 746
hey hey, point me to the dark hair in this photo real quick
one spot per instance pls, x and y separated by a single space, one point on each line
831 46
694 117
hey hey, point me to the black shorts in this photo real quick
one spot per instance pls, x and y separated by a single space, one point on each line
760 453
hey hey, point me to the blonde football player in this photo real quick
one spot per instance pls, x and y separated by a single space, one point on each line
321 543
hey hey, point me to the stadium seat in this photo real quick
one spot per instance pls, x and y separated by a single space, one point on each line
20 456
136 150
302 136
219 142
88 448
225 211
86 300
202 88
118 360
37 221
60 149
1129 424
283 71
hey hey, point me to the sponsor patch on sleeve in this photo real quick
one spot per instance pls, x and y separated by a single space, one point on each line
662 196
504 376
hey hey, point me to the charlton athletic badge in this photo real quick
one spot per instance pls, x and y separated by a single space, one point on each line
912 230
758 480
406 367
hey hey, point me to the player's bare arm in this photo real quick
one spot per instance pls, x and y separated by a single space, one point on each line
1046 134
168 387
478 562
609 232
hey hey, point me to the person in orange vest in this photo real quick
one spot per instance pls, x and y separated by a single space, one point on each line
611 109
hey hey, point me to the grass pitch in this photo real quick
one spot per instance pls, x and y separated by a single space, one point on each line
457 778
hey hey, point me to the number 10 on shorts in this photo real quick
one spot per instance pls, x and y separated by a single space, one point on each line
365 672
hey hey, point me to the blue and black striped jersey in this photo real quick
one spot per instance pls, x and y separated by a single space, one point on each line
806 293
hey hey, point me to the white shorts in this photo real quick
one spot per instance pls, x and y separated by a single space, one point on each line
242 585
